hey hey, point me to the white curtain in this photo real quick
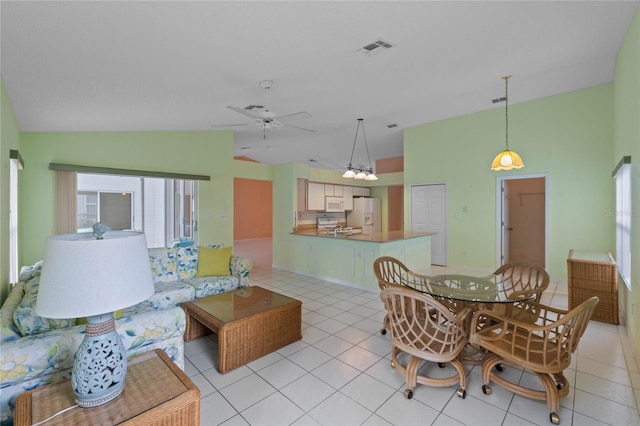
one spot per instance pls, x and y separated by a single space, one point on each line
66 202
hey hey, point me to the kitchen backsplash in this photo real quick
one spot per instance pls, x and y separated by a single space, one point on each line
307 220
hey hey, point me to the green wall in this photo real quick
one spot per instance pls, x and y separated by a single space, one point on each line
567 137
9 139
627 142
202 153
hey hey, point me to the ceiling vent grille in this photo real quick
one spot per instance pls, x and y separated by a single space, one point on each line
376 47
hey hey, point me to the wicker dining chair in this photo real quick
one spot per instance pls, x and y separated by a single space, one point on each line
426 331
519 280
544 348
390 272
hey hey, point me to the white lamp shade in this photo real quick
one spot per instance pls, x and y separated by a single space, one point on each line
83 276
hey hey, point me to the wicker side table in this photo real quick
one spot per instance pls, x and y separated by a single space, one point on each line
594 274
156 392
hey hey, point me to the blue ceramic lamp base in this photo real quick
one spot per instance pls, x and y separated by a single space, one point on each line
100 364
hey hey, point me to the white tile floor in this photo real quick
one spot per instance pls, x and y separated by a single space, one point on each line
340 373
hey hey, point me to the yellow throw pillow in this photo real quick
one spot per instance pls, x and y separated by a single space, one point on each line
213 261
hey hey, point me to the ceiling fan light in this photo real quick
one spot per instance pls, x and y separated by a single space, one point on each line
349 174
507 160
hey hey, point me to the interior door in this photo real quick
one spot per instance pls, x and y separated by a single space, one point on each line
429 214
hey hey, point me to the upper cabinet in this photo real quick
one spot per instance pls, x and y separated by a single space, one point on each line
301 204
311 195
361 191
315 196
347 196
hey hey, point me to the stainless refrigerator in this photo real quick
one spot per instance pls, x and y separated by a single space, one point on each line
365 215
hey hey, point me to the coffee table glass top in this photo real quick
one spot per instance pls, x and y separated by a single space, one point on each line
241 303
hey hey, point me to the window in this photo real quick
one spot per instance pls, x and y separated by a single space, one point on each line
15 165
164 209
622 175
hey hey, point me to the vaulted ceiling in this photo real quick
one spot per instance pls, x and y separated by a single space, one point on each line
178 65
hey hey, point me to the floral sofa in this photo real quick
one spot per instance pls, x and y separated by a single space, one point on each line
36 351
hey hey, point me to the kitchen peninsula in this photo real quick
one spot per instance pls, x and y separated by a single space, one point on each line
348 258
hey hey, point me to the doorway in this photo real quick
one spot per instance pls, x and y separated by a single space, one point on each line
429 214
522 224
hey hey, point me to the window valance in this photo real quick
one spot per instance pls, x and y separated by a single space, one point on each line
125 172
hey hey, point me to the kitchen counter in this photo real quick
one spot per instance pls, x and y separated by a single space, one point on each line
377 237
348 259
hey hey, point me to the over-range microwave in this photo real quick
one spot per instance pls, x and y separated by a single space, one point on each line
333 204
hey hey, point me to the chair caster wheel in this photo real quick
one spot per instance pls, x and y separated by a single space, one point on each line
486 390
554 418
383 331
462 393
408 393
442 364
499 367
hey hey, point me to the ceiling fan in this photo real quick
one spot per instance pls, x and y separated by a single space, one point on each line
263 117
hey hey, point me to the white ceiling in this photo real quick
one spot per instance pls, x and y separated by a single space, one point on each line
176 65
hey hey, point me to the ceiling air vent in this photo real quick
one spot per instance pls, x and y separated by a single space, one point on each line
376 47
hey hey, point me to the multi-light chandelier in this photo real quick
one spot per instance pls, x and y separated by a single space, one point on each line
507 159
359 171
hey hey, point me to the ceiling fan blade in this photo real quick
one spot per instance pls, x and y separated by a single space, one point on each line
297 127
295 116
244 112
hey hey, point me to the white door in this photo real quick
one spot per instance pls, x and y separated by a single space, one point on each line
429 214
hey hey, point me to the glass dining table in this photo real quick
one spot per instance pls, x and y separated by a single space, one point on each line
474 290
459 291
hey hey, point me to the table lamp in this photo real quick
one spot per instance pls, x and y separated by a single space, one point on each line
85 276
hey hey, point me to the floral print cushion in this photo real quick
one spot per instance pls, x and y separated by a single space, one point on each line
8 330
206 286
187 262
25 319
172 293
164 264
241 267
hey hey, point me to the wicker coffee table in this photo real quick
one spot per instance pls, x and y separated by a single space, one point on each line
250 322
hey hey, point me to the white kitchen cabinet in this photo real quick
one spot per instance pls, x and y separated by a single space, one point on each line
302 195
338 191
329 190
361 191
315 196
347 196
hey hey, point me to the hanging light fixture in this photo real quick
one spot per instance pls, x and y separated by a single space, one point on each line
507 159
359 171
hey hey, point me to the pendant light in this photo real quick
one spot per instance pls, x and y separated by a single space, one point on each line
359 171
507 159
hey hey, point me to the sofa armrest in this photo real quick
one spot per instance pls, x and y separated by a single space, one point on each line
241 268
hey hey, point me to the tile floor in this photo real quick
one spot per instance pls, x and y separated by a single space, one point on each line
340 373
